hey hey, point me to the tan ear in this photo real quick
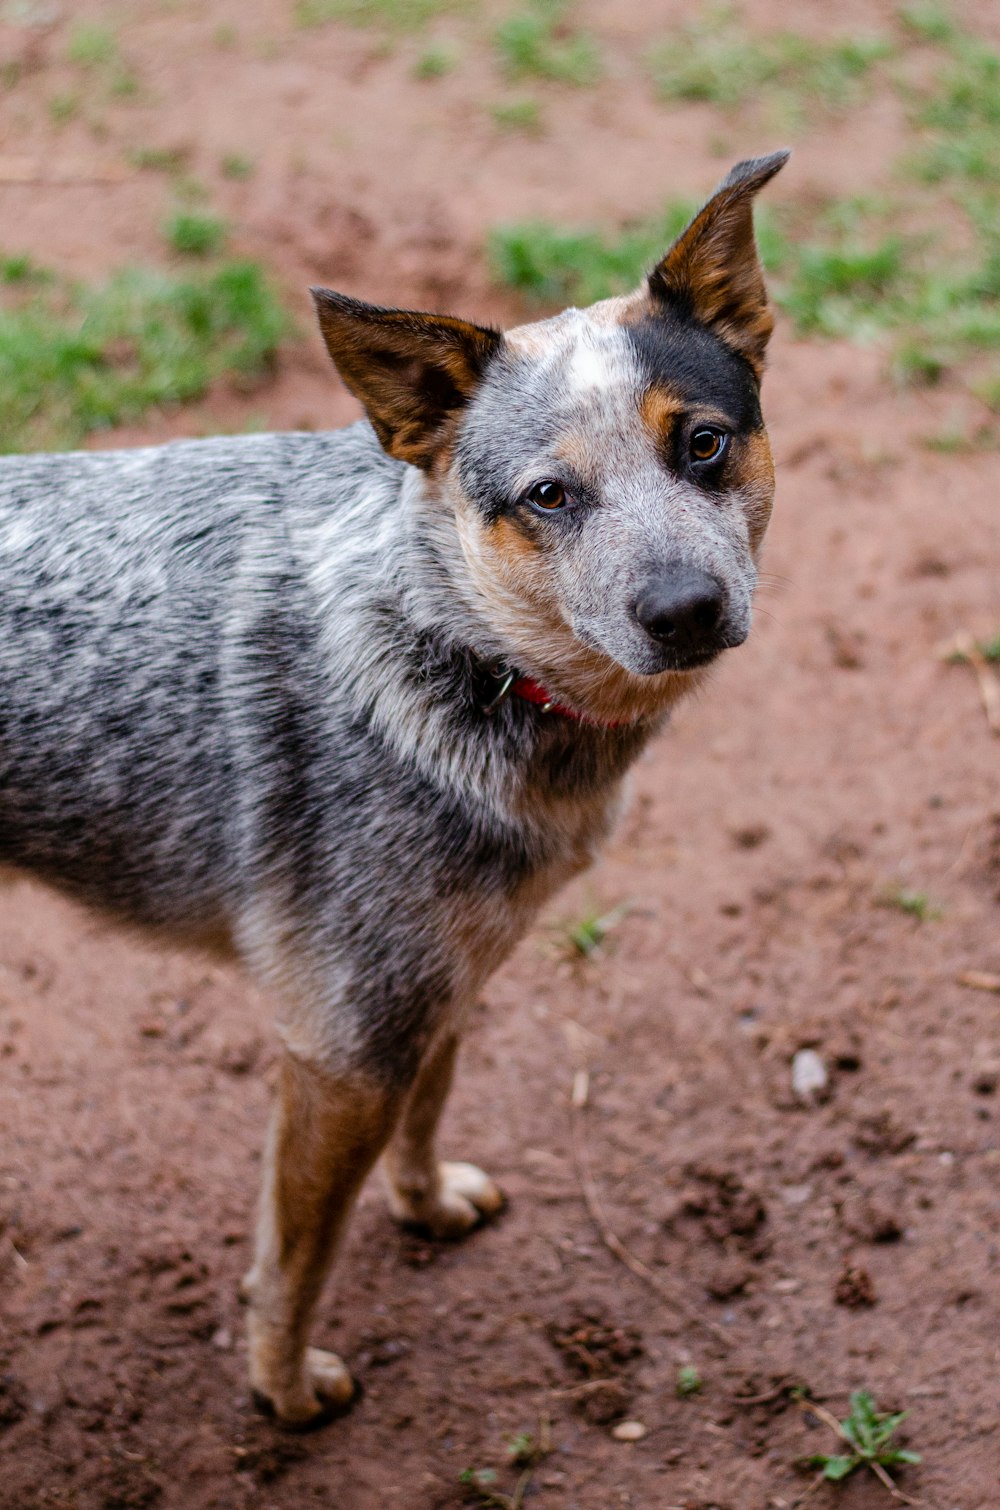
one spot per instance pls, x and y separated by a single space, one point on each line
413 372
712 272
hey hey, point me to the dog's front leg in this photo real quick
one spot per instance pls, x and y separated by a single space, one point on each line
448 1199
326 1133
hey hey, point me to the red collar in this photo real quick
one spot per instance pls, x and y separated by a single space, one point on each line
534 692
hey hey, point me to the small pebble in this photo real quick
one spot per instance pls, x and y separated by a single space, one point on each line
809 1076
629 1431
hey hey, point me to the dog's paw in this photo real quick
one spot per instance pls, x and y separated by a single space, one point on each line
325 1390
465 1196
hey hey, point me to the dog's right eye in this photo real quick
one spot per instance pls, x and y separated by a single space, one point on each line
546 495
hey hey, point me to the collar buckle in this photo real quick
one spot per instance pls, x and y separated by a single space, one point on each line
505 677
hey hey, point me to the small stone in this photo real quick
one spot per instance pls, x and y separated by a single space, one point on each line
629 1431
809 1076
222 1339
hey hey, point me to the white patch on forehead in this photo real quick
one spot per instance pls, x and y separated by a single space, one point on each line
589 367
586 356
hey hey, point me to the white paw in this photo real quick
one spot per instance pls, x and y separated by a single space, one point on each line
465 1195
324 1389
329 1376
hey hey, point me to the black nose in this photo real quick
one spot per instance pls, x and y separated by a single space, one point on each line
682 609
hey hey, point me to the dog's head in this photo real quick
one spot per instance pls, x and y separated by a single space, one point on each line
608 468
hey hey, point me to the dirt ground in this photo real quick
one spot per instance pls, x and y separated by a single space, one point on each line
853 1242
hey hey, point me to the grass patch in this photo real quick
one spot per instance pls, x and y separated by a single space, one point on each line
926 285
435 62
988 649
868 1435
717 61
916 904
397 15
160 159
192 234
553 265
92 47
21 269
523 1452
76 359
63 108
583 939
928 21
518 115
537 43
237 166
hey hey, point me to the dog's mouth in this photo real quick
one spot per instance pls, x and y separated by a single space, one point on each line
690 660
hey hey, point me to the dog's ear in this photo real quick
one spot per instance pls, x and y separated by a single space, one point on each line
413 372
712 272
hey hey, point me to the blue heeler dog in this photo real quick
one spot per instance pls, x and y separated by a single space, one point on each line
352 706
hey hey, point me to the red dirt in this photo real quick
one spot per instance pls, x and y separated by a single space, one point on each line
834 759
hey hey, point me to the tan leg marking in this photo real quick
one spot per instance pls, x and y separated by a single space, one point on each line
326 1134
448 1199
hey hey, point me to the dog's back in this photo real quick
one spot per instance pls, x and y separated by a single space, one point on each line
126 583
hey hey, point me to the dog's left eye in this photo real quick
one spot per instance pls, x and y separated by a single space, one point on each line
547 495
707 445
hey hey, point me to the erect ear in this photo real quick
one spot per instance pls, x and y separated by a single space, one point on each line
413 372
712 271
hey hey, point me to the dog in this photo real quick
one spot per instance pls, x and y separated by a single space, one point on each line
351 706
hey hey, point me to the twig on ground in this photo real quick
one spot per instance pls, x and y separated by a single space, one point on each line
979 980
774 1393
579 1101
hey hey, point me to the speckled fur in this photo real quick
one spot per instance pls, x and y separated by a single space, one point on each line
241 700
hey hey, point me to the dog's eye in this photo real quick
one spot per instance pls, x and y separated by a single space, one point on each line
547 495
707 445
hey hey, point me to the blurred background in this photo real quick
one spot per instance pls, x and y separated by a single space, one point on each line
782 978
173 175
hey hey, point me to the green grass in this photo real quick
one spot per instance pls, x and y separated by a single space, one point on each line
397 15
689 1382
435 62
192 234
75 359
63 108
916 904
988 649
159 159
717 61
523 115
237 166
583 939
523 1452
92 47
842 279
21 269
961 118
868 1435
928 21
555 265
537 43
918 272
